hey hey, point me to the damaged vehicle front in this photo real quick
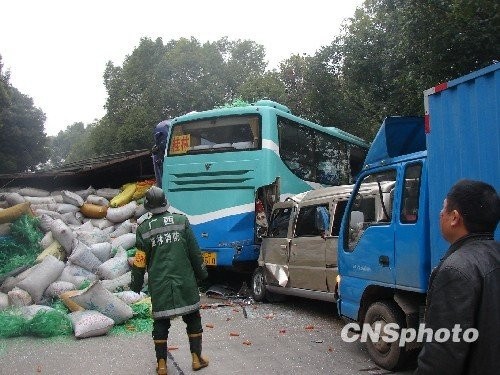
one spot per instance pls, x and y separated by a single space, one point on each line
298 255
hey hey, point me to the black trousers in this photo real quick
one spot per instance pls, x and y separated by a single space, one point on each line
192 320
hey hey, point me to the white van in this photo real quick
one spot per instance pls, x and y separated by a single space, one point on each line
298 255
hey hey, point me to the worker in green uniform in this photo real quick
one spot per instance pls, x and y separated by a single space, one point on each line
168 251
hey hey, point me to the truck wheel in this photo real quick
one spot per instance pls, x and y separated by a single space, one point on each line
388 355
258 285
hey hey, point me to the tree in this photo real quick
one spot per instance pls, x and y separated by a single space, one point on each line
392 50
23 143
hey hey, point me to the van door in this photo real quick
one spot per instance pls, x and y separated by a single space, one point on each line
275 247
308 248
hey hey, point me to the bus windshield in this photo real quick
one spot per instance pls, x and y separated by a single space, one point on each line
215 135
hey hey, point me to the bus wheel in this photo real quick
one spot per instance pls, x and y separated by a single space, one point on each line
388 355
258 288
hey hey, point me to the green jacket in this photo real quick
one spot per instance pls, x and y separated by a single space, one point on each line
168 251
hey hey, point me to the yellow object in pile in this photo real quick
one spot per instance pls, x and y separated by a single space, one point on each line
125 196
10 214
142 188
93 211
55 249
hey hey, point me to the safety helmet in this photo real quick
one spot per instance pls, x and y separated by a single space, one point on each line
155 201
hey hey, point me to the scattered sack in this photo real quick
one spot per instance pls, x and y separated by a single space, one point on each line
72 198
46 273
30 311
85 193
55 249
126 241
125 196
14 198
64 208
8 215
118 283
76 274
41 200
96 297
63 234
93 211
122 213
65 297
101 250
33 192
95 199
82 256
123 228
129 297
57 288
47 240
4 301
107 193
19 297
90 323
114 267
102 223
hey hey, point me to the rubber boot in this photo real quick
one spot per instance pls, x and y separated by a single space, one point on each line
161 356
195 346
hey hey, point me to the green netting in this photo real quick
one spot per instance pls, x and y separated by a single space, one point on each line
60 306
12 324
239 102
22 246
131 252
50 323
84 285
142 320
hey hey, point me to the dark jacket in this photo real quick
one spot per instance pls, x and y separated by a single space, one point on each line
167 249
464 289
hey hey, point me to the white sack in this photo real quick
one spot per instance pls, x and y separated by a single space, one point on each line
95 199
45 274
72 198
90 323
96 297
114 267
120 214
82 256
126 241
63 234
101 250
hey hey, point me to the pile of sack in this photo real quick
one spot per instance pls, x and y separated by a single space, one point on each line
85 254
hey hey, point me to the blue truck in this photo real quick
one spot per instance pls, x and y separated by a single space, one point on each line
390 239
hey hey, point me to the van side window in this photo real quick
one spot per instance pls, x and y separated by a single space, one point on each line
312 221
372 205
280 218
411 194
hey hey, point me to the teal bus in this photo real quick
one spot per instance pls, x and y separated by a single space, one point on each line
225 168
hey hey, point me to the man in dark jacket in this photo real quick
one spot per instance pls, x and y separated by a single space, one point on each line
168 251
464 289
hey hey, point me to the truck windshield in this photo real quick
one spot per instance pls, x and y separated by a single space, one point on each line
215 135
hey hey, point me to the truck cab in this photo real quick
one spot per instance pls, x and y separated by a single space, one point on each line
383 244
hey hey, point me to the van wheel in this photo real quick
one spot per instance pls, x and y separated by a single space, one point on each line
259 285
388 355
